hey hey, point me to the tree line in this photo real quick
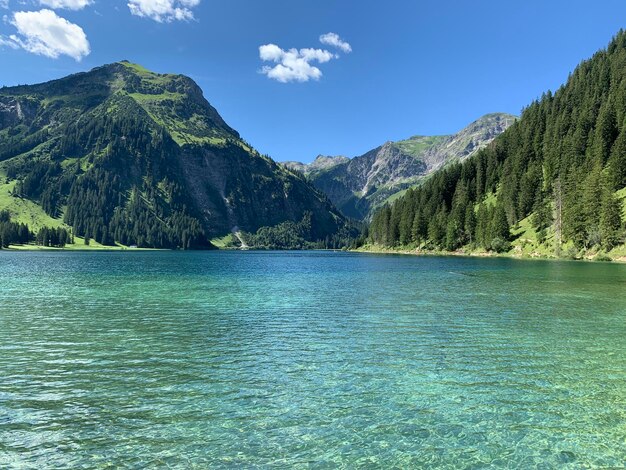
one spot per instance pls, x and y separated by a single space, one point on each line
15 233
299 235
561 163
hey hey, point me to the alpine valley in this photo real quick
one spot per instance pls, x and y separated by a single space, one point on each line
123 156
360 185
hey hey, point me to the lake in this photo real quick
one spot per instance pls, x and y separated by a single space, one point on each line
310 359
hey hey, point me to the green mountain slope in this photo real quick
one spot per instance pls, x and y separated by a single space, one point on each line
552 184
124 155
360 185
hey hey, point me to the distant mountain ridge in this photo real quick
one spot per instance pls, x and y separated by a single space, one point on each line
359 185
124 155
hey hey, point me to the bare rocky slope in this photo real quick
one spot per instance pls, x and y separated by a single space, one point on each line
359 185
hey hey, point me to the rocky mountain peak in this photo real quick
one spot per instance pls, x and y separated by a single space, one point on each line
359 184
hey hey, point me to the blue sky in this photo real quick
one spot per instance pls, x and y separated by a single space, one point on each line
415 67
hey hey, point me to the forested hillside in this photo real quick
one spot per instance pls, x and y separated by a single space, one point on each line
122 155
553 181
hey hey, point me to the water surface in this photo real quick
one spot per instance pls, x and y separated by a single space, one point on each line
228 359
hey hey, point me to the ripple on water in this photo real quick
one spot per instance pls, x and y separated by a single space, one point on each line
252 359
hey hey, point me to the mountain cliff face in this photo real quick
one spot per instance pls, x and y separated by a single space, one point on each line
121 154
358 186
321 163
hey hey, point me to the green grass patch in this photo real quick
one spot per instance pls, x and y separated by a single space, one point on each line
25 211
147 75
490 199
527 244
398 195
143 98
182 138
418 144
227 241
136 68
28 212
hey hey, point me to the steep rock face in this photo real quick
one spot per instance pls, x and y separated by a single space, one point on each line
122 154
465 142
14 111
358 186
320 163
234 190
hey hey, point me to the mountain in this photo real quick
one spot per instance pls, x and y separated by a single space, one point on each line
320 164
359 185
124 155
552 184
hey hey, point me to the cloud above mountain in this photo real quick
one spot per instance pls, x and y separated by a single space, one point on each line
296 65
293 65
45 33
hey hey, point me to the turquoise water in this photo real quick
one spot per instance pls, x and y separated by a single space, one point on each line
225 359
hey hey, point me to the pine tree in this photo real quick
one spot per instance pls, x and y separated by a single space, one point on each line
591 204
617 162
606 132
452 241
500 231
419 228
610 221
437 227
470 223
482 226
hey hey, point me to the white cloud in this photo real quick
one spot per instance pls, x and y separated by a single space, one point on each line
45 33
68 4
4 4
163 10
333 39
293 65
8 43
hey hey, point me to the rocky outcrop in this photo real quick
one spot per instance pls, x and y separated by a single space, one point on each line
15 111
320 163
359 185
465 142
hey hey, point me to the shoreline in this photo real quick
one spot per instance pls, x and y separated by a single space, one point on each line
368 249
101 248
478 254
